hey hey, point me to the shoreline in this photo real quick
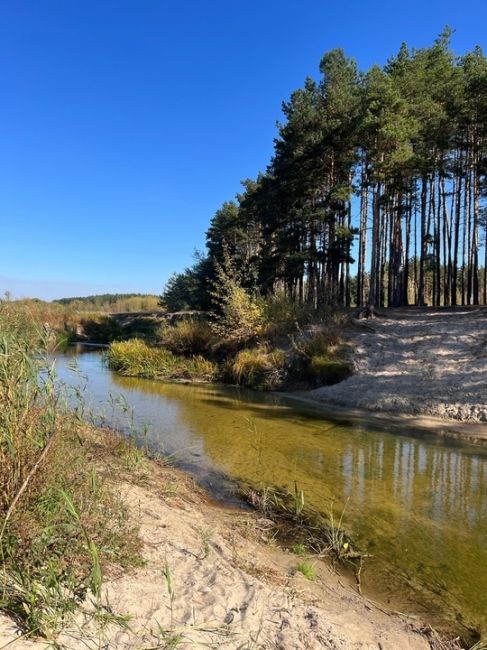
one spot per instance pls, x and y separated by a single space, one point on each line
419 368
214 574
470 432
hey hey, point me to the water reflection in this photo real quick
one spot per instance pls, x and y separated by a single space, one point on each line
418 504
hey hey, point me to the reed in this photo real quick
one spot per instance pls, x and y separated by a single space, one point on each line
59 519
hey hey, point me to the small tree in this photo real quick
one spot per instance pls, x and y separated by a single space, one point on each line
239 315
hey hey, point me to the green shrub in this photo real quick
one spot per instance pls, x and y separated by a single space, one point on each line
240 315
307 570
137 359
259 368
187 337
242 318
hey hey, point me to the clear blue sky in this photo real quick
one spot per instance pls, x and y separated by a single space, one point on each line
125 124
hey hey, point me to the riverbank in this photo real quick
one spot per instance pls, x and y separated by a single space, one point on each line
215 577
427 367
420 425
429 364
112 547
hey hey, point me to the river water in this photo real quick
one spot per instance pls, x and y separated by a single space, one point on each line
417 503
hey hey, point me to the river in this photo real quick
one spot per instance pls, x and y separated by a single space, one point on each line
415 502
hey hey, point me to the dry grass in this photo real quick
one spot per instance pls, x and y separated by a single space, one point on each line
60 523
259 368
318 357
187 337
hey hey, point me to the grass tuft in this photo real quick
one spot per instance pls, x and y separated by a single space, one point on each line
259 368
298 549
135 358
307 570
318 358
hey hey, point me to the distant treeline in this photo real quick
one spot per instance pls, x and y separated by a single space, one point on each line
387 165
112 302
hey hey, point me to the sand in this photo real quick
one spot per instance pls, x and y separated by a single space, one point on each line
417 362
214 577
229 586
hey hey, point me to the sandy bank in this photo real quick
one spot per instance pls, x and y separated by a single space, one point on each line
473 432
427 367
214 578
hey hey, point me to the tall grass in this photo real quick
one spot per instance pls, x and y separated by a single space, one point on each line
36 320
59 521
318 359
259 368
187 337
136 358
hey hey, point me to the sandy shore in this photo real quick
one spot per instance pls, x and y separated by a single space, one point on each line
214 578
428 365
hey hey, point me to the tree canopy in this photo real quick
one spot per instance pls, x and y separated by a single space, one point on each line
388 166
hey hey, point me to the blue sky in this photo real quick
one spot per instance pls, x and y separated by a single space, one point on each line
125 124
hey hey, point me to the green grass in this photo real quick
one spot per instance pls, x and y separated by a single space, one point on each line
137 359
318 358
307 570
298 549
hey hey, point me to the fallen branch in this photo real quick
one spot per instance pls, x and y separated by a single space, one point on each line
26 482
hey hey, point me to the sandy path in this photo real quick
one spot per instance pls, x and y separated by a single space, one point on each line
428 362
231 588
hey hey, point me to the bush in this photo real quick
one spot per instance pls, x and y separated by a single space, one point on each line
318 359
240 315
283 316
135 358
187 337
259 368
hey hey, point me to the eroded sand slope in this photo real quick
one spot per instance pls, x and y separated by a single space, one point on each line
428 362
